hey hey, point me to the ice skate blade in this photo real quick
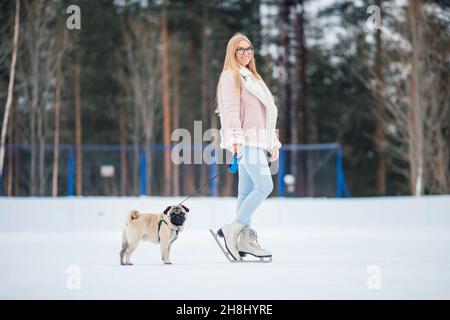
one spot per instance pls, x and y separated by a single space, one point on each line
243 254
262 259
228 255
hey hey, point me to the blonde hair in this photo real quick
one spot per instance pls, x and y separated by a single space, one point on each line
231 63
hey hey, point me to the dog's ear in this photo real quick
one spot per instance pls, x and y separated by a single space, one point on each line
187 210
167 209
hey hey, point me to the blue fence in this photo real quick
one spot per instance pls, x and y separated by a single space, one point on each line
323 164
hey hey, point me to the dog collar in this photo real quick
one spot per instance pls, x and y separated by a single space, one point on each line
159 228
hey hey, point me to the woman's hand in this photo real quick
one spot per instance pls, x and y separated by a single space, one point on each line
275 154
237 150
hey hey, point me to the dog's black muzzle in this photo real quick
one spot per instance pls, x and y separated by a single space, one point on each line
177 218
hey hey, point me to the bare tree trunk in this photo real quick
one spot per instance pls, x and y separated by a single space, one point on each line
60 49
380 176
78 125
10 89
149 110
190 170
176 112
41 141
285 131
416 124
136 149
166 102
435 103
122 139
11 152
35 43
136 96
286 114
15 151
121 100
136 155
10 172
304 180
440 164
33 148
42 44
204 170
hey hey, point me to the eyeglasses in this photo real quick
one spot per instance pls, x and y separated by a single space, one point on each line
242 50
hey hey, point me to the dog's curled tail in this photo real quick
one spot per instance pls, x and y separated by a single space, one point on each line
134 214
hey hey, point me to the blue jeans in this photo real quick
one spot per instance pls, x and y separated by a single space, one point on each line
255 183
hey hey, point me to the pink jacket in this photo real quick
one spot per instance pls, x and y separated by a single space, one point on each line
248 118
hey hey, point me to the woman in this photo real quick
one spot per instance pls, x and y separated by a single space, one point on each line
248 118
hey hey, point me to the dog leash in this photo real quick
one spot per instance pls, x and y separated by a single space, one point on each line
232 168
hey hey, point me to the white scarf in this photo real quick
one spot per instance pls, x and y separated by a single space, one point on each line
259 89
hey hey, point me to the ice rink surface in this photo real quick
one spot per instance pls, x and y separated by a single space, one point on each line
323 249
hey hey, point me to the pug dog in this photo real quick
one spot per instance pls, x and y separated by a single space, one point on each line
160 228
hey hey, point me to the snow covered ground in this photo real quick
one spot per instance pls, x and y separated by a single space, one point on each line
370 248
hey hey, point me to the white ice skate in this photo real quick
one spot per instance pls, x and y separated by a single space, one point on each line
225 233
230 234
248 244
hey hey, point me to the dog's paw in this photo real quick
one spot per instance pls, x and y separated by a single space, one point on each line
167 262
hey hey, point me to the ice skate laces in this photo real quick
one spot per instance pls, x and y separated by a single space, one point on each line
253 239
